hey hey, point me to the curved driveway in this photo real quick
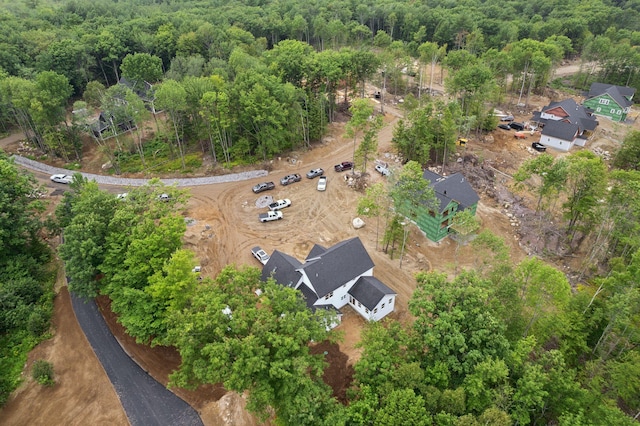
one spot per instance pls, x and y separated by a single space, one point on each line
145 401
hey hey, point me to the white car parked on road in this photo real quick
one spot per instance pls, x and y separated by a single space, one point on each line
60 178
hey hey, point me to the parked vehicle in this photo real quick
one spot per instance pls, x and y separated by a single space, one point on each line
164 197
122 196
345 165
520 135
504 126
290 179
538 147
60 178
507 118
315 173
322 183
280 204
382 170
270 215
264 186
517 126
260 254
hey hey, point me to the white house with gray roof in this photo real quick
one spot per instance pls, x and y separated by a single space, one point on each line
333 277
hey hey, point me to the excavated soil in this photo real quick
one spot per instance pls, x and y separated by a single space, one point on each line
225 228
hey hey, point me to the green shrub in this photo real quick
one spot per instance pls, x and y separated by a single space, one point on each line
42 372
38 322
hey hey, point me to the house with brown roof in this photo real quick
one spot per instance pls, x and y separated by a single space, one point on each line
565 124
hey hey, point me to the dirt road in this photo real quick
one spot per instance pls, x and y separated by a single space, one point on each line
224 230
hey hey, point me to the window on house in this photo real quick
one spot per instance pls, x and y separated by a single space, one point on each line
390 300
359 305
598 109
366 311
613 111
375 311
382 307
328 296
352 300
432 213
619 112
603 101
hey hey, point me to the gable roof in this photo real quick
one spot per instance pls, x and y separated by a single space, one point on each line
620 94
316 251
560 130
283 268
452 188
576 114
337 265
144 91
600 88
369 291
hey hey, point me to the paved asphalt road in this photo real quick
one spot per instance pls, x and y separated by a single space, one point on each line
146 402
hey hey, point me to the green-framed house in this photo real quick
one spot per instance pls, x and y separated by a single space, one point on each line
454 193
610 101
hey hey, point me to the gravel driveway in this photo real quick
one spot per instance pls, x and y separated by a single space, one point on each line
114 180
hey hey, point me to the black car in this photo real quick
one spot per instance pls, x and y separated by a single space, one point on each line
504 126
538 147
264 186
517 126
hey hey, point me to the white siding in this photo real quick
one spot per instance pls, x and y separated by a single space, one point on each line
339 298
556 143
379 312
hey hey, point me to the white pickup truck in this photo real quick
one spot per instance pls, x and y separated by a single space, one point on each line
269 216
280 204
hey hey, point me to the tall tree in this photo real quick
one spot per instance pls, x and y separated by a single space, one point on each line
171 96
258 344
85 236
454 326
361 112
140 68
412 192
586 185
374 203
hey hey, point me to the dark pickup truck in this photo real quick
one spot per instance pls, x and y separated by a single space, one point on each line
345 165
264 186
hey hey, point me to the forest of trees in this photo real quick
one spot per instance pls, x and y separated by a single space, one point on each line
26 277
499 344
242 82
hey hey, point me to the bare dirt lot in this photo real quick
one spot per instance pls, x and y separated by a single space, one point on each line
224 229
